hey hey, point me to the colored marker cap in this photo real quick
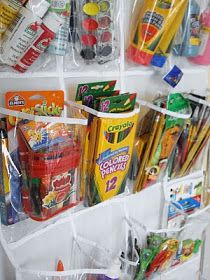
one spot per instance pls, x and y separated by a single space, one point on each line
60 266
138 56
158 60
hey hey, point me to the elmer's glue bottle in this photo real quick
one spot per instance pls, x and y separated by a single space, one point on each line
48 29
190 31
204 50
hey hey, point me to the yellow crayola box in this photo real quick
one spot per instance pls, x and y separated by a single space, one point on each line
42 103
110 155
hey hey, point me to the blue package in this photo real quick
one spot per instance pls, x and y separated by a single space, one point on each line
173 77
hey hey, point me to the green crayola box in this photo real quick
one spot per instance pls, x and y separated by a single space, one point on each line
110 155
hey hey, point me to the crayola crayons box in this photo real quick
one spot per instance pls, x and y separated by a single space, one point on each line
109 154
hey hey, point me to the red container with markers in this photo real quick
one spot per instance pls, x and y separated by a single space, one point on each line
50 157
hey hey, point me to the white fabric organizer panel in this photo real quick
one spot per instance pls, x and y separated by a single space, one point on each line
103 222
108 221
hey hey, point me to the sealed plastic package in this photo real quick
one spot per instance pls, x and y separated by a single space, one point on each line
41 156
152 30
190 152
161 251
184 196
94 34
159 130
192 40
112 121
35 27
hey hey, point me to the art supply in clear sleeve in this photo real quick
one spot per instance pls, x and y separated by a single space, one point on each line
49 153
203 56
188 41
23 31
109 141
9 194
8 12
97 30
184 197
59 45
153 31
193 141
162 132
38 103
48 29
166 249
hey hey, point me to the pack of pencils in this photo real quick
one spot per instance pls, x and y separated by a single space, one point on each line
159 130
112 121
189 153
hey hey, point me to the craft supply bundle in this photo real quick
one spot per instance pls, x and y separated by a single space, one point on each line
160 127
160 250
38 34
112 121
34 32
41 156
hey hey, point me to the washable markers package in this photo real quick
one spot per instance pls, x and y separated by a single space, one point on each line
190 152
153 27
184 196
159 130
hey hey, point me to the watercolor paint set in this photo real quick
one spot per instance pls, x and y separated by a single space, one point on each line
96 30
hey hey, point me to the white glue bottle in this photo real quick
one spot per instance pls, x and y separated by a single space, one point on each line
22 32
48 29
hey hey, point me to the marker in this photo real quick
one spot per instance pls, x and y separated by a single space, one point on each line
60 266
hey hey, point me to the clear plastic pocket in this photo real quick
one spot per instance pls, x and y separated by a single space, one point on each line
41 164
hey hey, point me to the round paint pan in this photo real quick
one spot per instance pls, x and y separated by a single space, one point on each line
104 22
88 54
91 9
90 24
88 40
105 50
106 37
104 6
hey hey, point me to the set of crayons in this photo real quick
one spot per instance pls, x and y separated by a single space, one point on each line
194 139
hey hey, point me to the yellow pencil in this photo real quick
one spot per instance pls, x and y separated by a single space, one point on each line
157 138
138 185
195 147
194 127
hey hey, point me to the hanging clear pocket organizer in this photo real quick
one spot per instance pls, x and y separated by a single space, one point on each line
40 163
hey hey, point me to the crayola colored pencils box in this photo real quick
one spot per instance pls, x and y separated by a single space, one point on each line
111 155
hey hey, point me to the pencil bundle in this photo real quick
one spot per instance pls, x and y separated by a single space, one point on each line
112 121
190 149
158 133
